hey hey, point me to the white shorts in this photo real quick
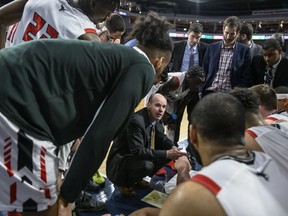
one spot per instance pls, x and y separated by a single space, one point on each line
28 170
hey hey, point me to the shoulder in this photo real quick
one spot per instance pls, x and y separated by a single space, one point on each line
174 80
134 53
203 45
191 198
257 46
214 46
284 59
250 142
139 117
258 58
159 126
179 44
240 46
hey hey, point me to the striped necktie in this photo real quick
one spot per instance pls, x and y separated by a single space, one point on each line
191 59
268 76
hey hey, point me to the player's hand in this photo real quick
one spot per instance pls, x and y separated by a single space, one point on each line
175 153
182 163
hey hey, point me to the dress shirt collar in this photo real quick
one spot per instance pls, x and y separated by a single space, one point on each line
192 47
276 65
152 122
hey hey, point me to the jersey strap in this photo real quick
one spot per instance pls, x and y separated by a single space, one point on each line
90 30
206 182
251 133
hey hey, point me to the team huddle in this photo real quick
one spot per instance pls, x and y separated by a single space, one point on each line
66 78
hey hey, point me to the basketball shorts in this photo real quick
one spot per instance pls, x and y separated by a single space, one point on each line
28 170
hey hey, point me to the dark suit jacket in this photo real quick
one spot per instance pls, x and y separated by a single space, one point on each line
255 49
135 141
258 67
240 72
178 53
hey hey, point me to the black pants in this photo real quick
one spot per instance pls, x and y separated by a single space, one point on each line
190 106
132 169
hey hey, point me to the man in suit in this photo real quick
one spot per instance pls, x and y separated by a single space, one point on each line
142 148
234 181
271 67
184 48
280 37
188 53
245 37
226 62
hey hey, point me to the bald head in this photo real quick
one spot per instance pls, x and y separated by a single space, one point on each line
156 106
156 97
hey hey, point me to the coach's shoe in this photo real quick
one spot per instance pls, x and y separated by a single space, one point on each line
143 184
127 192
92 186
85 202
97 178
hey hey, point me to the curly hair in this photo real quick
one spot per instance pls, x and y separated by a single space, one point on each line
152 31
196 71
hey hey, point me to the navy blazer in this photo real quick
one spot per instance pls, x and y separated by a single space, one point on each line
178 53
258 67
240 71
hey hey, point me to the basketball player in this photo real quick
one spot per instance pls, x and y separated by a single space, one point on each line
50 96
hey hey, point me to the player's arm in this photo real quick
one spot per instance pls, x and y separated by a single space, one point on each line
250 142
11 13
123 98
191 199
183 167
171 85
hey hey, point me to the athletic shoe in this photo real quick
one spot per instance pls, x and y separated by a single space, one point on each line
85 202
97 178
92 186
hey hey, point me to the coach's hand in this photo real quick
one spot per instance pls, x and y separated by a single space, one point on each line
175 153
